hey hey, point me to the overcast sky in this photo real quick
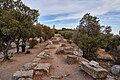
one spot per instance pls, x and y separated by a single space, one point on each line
67 13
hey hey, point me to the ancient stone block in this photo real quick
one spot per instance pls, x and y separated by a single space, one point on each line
42 68
22 74
96 72
71 59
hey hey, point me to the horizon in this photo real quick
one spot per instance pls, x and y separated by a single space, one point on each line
67 14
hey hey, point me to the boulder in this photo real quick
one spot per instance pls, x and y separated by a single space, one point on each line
115 69
22 74
96 72
71 59
42 68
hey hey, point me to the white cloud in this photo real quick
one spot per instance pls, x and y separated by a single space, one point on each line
75 8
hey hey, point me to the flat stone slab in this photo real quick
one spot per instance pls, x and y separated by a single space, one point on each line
42 68
22 74
96 72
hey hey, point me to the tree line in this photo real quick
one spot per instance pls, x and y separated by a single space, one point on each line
90 36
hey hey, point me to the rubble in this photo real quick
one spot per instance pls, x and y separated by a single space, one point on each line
42 68
22 74
96 72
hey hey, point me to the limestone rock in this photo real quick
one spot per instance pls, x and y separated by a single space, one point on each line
93 63
60 51
22 74
44 54
36 60
71 59
110 78
28 66
96 72
25 79
42 68
50 47
115 69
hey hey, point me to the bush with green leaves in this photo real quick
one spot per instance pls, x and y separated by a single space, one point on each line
32 43
87 36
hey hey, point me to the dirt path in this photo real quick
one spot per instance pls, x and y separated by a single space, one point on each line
7 68
61 69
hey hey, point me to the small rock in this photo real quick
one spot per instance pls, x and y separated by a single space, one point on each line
115 69
93 63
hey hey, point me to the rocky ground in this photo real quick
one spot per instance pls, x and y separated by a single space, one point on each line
61 70
56 61
8 68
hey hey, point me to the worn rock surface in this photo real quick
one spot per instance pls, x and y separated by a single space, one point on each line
28 66
71 59
42 68
50 47
68 49
25 79
96 72
22 74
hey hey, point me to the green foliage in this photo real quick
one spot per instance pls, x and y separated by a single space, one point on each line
66 33
87 36
16 20
32 43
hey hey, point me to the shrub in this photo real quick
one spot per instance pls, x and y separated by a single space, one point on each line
33 42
